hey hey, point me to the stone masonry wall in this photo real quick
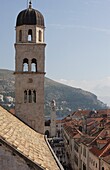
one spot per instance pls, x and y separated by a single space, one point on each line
11 161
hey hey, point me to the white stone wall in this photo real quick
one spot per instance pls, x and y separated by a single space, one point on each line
11 161
84 155
93 162
1 98
53 119
105 165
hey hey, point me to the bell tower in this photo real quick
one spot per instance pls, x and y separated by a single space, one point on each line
53 119
30 68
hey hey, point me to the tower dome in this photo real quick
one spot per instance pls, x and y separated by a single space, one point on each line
30 16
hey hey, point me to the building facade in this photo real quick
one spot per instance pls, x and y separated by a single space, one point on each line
87 148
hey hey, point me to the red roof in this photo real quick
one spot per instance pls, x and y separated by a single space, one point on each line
101 152
12 111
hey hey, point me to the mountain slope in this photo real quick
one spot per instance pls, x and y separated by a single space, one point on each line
71 98
67 98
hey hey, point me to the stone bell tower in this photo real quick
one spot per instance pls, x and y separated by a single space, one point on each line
53 119
30 68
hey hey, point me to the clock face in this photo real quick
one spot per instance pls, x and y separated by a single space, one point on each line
30 80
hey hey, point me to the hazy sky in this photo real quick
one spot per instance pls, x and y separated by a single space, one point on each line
77 36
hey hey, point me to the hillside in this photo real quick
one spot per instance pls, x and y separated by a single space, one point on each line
67 98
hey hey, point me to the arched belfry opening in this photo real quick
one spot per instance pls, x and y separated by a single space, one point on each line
20 35
25 96
30 35
30 68
30 96
34 96
40 35
25 65
34 65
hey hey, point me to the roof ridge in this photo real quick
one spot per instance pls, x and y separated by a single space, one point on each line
106 148
97 136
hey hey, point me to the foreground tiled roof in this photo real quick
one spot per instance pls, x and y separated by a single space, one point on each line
26 141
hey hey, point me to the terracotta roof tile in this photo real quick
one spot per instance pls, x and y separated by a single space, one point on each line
12 111
71 129
101 141
96 151
105 151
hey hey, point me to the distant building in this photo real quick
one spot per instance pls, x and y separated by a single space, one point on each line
9 99
53 119
53 127
50 125
1 98
87 140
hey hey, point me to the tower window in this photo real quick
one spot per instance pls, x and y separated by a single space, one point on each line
30 96
20 35
40 35
25 65
34 96
30 35
34 65
25 96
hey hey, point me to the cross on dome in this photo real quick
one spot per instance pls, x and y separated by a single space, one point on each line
30 3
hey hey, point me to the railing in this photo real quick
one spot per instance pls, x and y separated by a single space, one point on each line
55 157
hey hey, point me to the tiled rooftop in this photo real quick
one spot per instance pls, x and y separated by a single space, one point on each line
104 152
71 130
88 140
98 113
23 139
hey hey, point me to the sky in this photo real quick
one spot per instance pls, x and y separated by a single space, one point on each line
77 35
